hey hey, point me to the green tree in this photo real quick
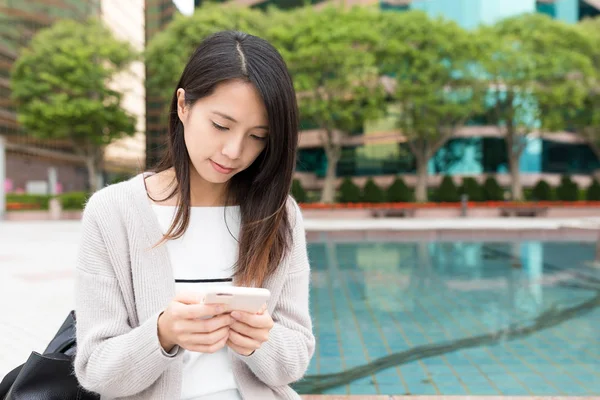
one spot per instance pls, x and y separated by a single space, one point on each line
329 54
537 81
436 88
168 51
586 122
60 85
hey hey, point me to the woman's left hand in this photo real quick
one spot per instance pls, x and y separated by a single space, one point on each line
249 331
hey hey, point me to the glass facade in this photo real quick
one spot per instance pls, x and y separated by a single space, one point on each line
158 14
470 155
19 21
459 156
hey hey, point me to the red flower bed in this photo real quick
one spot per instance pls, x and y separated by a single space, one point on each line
471 204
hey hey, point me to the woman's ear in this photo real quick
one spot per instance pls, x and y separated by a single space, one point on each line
181 109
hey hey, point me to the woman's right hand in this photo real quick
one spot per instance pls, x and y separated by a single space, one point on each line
194 326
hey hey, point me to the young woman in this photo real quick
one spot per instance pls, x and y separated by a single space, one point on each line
216 211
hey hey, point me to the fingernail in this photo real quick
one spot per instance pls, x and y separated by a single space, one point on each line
220 309
235 314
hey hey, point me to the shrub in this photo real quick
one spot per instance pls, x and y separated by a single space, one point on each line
73 200
349 192
447 191
298 192
472 189
542 191
593 191
492 191
567 190
399 192
38 201
372 193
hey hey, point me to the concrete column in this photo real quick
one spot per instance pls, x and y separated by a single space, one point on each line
52 180
2 178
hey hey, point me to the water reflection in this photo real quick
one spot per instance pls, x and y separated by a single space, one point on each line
383 304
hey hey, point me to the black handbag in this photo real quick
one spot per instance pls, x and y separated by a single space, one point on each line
48 376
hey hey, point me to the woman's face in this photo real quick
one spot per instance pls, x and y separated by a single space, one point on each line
224 132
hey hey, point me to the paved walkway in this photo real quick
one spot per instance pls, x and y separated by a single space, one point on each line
415 224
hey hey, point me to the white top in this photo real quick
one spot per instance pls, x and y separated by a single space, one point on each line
203 257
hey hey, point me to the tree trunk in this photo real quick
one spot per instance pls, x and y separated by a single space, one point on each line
333 151
422 175
328 193
90 163
515 175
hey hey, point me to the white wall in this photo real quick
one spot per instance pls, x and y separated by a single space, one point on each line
125 18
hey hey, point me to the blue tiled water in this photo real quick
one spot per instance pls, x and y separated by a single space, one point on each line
455 318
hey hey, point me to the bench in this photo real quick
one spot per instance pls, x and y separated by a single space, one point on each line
393 213
523 211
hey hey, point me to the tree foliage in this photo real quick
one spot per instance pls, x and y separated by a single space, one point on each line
330 55
437 89
539 71
61 86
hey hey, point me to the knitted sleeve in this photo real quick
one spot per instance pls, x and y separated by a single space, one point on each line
113 358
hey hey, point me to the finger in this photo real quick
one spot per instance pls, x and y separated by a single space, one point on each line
262 309
188 298
209 338
243 341
196 311
261 335
238 349
212 324
254 320
209 348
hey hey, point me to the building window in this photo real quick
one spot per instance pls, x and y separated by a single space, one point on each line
546 7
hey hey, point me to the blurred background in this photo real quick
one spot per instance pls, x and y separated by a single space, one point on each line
447 171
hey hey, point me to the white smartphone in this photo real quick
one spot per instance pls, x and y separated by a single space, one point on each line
238 298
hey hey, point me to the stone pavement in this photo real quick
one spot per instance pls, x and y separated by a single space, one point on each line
36 285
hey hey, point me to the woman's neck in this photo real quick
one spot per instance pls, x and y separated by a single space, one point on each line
204 193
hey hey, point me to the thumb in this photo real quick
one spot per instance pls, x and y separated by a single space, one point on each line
188 298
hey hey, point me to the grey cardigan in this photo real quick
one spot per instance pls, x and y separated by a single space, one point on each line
123 284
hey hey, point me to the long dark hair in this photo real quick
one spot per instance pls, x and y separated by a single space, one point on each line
262 189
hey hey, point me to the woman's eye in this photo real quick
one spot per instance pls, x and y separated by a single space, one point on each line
220 127
261 138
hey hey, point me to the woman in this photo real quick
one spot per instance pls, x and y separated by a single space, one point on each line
216 211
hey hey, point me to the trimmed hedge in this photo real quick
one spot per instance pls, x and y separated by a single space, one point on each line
593 191
39 201
399 192
349 192
372 193
492 191
447 191
298 192
542 191
472 189
73 200
567 190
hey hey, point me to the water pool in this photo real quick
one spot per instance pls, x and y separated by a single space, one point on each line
455 318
